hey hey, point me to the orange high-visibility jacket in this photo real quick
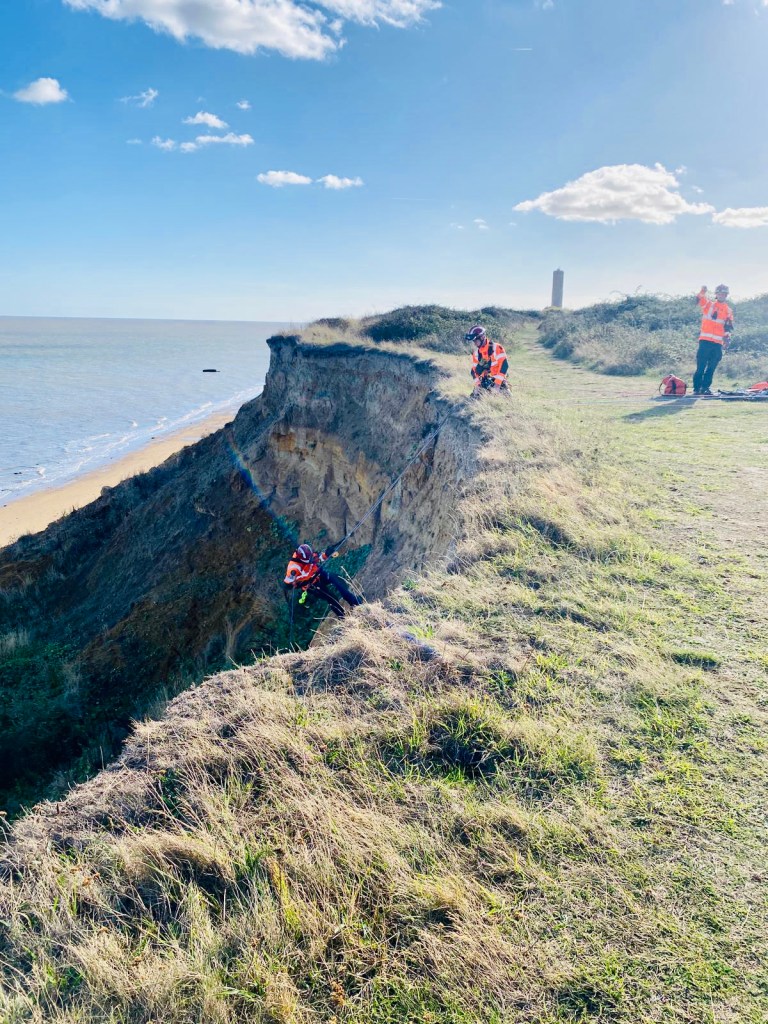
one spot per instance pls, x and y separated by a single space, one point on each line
716 321
490 360
302 574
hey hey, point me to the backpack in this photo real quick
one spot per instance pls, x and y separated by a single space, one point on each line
672 385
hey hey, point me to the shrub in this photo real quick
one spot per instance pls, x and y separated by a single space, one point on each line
439 328
647 332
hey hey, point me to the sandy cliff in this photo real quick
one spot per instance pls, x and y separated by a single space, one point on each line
177 571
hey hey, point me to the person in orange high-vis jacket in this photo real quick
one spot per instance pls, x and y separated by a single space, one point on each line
306 572
714 337
489 361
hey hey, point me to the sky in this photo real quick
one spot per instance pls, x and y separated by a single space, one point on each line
286 160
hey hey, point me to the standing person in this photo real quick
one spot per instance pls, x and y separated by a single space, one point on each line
489 361
306 572
714 338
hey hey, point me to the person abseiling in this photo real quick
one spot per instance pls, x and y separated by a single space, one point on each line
714 337
306 572
489 361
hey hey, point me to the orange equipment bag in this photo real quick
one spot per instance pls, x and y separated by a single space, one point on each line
672 385
762 386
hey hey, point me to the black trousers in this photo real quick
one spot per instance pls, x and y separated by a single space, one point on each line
707 360
322 589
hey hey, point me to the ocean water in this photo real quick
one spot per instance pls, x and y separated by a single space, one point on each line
75 394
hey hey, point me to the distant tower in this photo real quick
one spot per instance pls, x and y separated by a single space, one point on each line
557 289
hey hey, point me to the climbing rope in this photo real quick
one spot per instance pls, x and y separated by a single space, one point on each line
290 631
377 504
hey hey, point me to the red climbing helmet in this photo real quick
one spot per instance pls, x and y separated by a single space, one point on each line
303 553
477 335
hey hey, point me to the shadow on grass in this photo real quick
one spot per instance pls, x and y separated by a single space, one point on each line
663 408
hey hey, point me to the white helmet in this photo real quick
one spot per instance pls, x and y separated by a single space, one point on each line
477 335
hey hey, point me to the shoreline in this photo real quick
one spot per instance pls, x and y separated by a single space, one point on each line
34 512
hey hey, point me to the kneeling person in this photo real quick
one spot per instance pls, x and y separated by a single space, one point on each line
489 362
306 572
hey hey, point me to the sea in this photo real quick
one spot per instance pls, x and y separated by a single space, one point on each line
75 394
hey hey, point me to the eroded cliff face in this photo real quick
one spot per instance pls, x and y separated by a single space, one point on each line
177 572
340 424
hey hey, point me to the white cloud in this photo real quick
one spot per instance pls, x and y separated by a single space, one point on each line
332 181
230 139
277 179
201 117
456 227
619 192
166 144
481 224
144 99
243 105
744 217
400 13
42 91
296 28
133 142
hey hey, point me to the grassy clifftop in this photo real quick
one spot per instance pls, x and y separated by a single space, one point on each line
650 333
432 328
527 787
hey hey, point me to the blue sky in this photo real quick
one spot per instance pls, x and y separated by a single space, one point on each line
384 152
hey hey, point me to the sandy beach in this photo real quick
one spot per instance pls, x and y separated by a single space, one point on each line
36 511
